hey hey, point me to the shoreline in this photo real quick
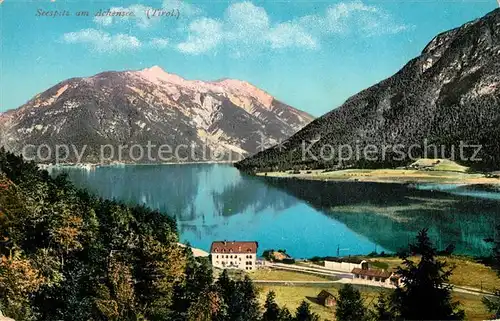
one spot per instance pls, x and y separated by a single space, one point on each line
96 165
388 176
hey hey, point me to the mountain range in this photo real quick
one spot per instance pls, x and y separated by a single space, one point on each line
197 120
447 97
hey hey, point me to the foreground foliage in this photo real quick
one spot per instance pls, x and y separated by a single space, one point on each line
68 255
425 294
426 285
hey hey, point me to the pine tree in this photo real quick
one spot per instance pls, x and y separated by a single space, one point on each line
226 288
196 284
304 313
246 305
492 303
426 295
285 315
350 305
272 310
383 309
240 298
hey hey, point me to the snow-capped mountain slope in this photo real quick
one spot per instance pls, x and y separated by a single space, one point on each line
151 105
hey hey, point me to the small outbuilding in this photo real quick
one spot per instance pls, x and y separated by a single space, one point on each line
326 299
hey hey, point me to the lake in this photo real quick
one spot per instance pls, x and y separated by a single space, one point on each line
307 218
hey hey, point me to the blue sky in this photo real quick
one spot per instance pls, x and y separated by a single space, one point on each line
312 55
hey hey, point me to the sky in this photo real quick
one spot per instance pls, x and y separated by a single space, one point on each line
312 55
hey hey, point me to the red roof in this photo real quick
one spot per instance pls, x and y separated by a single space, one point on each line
234 247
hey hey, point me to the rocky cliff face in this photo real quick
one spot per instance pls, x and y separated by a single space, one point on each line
448 95
198 121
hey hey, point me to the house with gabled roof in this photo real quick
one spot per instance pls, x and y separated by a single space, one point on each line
326 299
376 277
234 254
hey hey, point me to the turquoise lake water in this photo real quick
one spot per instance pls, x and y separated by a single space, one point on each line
307 218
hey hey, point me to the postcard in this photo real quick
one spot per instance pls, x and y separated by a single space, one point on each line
249 160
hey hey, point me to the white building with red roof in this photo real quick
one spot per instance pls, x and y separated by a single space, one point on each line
234 255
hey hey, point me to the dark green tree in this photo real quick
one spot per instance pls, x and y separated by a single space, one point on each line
198 282
239 297
272 310
426 294
245 305
383 308
225 286
304 313
350 305
492 303
285 315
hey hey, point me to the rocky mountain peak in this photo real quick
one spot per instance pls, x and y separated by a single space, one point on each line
154 105
232 87
156 74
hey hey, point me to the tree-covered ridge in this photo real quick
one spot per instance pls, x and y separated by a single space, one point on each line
445 97
67 255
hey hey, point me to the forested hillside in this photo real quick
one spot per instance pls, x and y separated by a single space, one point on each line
68 255
447 97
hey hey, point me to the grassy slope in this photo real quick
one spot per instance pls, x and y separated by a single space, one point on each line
291 296
467 273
